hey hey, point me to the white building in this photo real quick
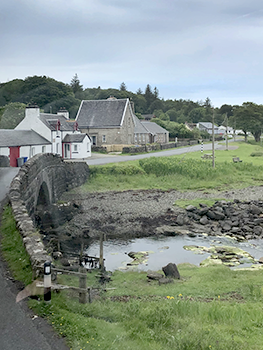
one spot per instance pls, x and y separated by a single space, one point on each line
59 131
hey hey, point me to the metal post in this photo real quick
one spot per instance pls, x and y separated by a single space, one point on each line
202 147
47 281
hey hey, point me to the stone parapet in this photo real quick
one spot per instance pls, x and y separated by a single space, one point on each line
59 176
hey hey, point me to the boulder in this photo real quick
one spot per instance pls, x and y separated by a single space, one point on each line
171 270
154 275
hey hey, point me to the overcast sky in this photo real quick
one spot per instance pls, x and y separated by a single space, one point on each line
189 49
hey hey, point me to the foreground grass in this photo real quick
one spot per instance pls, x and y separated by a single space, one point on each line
184 172
209 308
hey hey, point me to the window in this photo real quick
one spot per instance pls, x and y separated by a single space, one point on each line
75 148
43 149
33 151
103 138
57 147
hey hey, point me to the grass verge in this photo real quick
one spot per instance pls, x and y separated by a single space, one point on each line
13 249
184 172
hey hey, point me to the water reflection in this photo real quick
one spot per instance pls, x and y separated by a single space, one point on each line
166 249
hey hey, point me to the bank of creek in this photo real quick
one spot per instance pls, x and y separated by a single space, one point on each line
128 217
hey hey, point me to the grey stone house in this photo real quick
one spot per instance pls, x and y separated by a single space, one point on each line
107 122
113 122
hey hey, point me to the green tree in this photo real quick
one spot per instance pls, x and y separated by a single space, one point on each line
123 87
75 84
249 118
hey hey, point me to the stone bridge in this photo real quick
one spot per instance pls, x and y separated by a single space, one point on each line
41 180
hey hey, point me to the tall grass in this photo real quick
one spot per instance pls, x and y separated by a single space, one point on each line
13 249
173 173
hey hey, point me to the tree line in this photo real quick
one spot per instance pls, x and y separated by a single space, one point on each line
50 95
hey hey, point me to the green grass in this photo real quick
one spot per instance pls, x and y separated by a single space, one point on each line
184 172
13 249
209 308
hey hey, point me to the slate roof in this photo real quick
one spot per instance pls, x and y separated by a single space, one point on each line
208 125
139 128
101 113
50 120
74 138
154 128
14 138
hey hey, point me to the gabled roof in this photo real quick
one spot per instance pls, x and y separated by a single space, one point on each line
50 120
154 128
14 138
101 113
139 128
207 125
78 138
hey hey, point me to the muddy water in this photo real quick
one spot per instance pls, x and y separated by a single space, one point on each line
165 250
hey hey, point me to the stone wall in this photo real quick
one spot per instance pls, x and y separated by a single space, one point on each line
59 176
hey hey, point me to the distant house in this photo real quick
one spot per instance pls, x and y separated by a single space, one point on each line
190 126
22 144
113 122
59 131
157 134
208 127
224 130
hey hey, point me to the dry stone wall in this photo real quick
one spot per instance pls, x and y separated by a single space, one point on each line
59 176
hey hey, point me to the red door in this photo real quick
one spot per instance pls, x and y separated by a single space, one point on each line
14 154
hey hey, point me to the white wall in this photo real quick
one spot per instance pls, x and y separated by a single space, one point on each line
32 122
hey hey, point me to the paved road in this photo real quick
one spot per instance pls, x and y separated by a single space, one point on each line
99 159
6 176
19 328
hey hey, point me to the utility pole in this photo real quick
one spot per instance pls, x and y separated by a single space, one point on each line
213 139
226 133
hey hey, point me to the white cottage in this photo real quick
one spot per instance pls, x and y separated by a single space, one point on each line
59 131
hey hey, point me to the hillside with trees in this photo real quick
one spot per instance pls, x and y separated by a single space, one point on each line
50 95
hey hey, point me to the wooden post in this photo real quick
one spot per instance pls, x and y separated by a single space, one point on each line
101 252
83 285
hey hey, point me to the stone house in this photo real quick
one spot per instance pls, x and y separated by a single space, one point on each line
113 122
107 122
59 130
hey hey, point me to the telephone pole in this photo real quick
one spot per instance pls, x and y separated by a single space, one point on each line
213 139
226 132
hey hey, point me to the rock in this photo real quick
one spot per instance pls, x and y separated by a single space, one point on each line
154 276
226 227
165 280
258 230
171 270
204 220
260 260
166 230
57 255
191 208
180 220
255 209
64 262
203 211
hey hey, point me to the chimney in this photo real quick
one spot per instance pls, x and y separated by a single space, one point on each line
63 112
32 111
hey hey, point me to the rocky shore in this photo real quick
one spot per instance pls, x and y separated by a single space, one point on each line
152 212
